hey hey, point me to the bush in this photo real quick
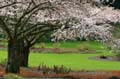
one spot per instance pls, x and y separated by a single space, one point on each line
45 70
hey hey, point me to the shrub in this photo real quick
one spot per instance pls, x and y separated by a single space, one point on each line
45 70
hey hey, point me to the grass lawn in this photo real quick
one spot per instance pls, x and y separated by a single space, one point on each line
73 61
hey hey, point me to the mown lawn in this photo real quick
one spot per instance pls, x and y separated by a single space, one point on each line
73 61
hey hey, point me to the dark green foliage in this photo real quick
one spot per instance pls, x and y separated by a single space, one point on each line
113 3
2 36
46 38
116 4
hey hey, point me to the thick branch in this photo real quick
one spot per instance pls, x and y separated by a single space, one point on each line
38 26
5 28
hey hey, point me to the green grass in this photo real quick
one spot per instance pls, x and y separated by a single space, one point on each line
3 55
73 61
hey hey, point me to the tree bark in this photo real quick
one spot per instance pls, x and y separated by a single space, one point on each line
13 62
24 56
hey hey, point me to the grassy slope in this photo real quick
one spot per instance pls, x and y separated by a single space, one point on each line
73 61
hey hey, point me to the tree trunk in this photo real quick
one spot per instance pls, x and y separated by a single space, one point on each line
13 62
24 56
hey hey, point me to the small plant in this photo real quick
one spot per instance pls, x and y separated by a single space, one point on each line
61 69
42 67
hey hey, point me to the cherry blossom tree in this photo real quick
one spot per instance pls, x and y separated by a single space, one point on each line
24 22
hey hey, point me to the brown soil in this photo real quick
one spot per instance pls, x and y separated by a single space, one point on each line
76 75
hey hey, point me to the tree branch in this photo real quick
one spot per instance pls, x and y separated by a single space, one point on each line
5 28
32 11
8 5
